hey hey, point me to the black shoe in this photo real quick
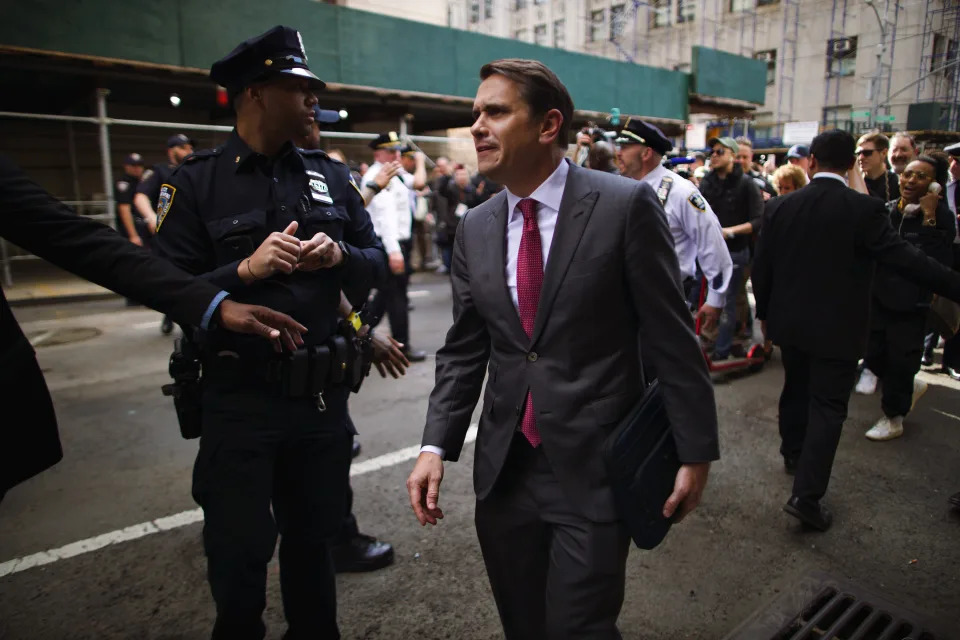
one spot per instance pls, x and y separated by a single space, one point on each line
361 553
790 465
414 356
356 449
410 306
927 359
166 327
816 516
954 500
953 373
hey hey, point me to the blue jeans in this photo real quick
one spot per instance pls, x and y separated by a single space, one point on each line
728 319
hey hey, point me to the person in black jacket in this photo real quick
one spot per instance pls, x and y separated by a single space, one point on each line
738 203
33 219
900 306
812 278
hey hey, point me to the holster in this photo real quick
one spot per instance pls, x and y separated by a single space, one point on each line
185 389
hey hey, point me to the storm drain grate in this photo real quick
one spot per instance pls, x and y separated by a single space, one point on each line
823 608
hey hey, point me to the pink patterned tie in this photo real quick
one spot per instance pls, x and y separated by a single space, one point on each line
529 281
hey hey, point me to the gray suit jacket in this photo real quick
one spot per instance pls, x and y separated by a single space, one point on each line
611 283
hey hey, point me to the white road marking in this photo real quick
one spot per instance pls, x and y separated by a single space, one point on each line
40 337
949 415
153 324
185 518
418 293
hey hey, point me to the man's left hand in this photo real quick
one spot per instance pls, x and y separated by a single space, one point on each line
261 321
388 356
319 252
708 316
691 480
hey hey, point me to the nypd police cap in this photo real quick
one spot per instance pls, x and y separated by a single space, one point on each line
277 53
640 132
388 140
953 149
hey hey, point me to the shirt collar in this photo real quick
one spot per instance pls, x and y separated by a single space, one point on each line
651 178
242 156
549 193
827 174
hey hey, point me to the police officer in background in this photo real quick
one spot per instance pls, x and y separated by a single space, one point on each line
268 222
696 231
179 147
130 224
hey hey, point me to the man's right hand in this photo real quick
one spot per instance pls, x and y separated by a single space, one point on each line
423 485
386 173
278 253
397 263
261 321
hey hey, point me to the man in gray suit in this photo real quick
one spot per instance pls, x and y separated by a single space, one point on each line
557 281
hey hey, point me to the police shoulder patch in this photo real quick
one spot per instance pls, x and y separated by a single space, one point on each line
697 201
146 175
164 202
122 186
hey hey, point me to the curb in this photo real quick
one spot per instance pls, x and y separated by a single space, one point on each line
47 300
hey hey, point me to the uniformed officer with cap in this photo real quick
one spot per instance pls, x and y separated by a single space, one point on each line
129 224
271 223
696 231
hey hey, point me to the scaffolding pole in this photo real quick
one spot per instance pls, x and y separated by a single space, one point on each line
786 66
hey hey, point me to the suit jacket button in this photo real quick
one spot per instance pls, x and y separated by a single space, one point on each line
532 356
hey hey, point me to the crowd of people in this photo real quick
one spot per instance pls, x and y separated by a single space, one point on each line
535 243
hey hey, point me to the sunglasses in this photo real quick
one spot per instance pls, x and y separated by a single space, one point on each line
866 153
919 175
719 151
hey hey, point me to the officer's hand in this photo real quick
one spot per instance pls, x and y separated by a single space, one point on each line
152 224
278 253
137 240
708 316
387 172
423 486
397 264
319 252
388 356
261 321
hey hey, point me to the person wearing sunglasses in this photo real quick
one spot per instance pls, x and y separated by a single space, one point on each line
872 162
899 306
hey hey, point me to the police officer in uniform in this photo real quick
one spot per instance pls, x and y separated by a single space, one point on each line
130 223
179 147
697 237
268 222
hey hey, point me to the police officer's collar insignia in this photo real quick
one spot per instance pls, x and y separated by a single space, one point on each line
697 201
164 202
319 190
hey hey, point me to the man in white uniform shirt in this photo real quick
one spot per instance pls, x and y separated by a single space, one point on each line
393 221
696 232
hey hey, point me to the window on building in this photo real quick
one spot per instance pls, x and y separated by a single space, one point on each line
539 1
686 10
944 52
521 34
596 26
770 57
767 3
487 9
540 34
618 17
740 5
660 17
842 56
474 12
560 34
837 117
520 4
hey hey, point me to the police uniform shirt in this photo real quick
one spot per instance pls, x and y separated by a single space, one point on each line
390 210
220 205
696 232
153 179
125 188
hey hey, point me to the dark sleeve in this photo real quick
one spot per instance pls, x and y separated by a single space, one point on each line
754 202
667 339
33 219
461 363
762 272
150 187
124 196
367 267
886 246
936 241
182 238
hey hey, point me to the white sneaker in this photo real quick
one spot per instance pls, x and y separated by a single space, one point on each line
886 429
919 388
867 383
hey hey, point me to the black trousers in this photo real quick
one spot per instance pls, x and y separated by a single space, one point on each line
259 452
813 406
392 300
894 349
554 574
348 528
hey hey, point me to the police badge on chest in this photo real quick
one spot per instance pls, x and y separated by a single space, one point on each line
319 191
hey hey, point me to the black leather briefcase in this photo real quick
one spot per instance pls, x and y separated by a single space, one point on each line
641 459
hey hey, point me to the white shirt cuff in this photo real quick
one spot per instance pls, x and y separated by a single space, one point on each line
716 299
427 448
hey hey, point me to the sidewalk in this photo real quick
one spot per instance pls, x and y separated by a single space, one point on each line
39 282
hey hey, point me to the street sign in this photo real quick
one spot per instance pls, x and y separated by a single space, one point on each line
859 115
890 118
800 132
695 137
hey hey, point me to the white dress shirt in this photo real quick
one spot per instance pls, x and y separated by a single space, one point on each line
548 196
389 210
827 174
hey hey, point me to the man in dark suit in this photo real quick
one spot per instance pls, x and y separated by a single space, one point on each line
31 218
817 252
557 283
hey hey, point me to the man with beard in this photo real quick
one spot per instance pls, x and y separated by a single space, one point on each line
903 151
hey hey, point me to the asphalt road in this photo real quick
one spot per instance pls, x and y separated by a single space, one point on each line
126 464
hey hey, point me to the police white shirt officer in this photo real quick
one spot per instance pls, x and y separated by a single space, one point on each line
389 210
696 232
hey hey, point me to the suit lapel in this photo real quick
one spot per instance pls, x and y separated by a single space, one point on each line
575 209
497 233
